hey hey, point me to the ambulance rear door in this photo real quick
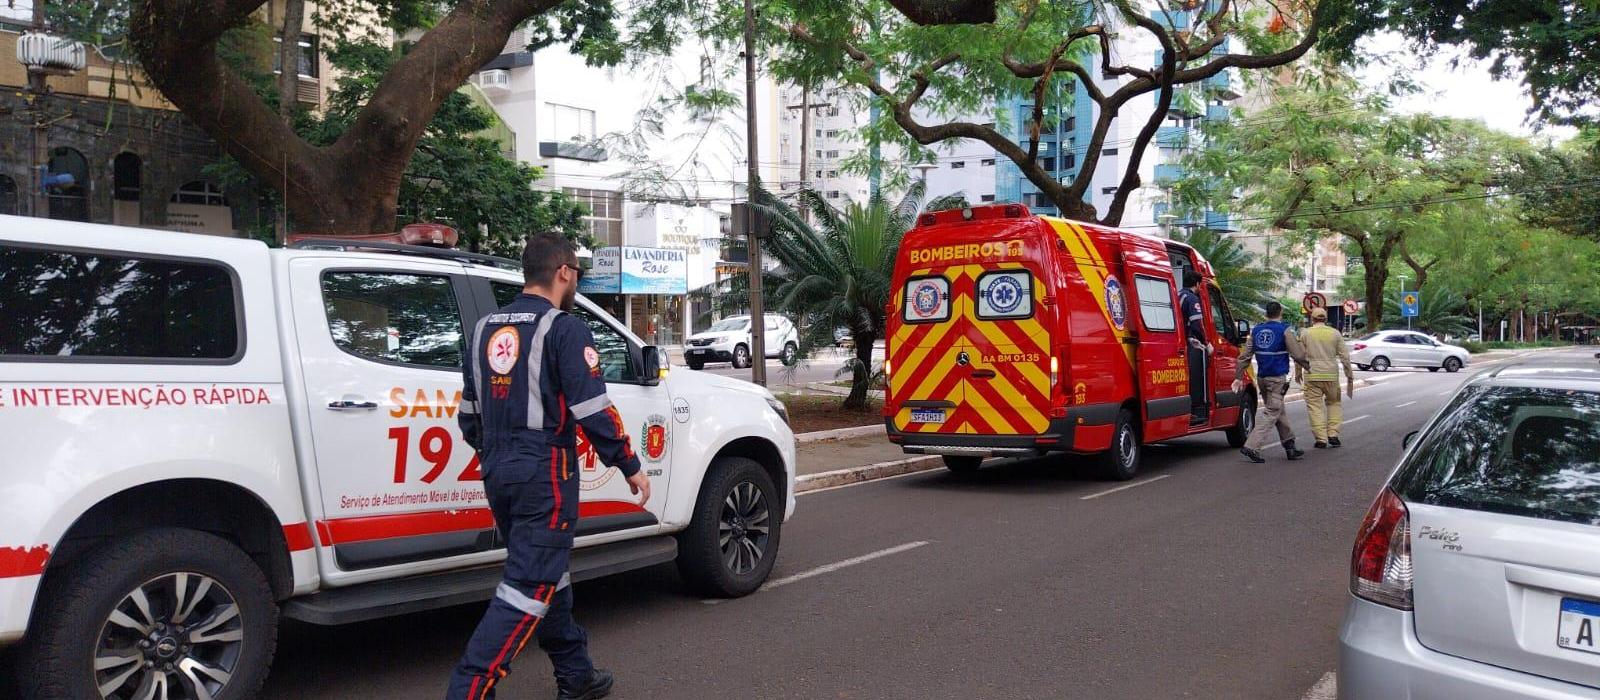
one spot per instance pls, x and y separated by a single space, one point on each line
1162 368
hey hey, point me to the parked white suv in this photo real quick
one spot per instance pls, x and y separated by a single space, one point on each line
728 340
206 433
1384 349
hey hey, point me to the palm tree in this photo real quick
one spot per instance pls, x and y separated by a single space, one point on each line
836 272
1245 285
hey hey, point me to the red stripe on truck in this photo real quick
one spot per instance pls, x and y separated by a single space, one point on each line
23 561
297 536
382 527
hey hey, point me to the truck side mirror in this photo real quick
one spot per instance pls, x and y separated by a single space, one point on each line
1242 329
655 365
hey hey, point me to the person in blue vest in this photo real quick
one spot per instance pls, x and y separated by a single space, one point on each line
1273 347
532 378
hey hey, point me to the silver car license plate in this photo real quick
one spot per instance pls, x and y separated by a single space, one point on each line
1579 625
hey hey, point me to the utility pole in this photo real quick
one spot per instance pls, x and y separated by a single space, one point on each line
805 143
37 88
758 318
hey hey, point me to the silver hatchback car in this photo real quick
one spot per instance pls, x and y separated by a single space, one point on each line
1476 574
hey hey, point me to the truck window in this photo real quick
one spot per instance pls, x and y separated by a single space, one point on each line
1155 304
616 363
1005 294
398 317
927 300
1220 318
62 305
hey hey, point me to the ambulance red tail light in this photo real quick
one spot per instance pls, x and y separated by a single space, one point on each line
1055 370
1380 566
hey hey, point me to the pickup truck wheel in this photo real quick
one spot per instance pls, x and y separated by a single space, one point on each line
167 613
959 464
732 541
741 357
1121 462
1247 422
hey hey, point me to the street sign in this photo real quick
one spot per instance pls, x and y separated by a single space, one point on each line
1313 300
1351 306
1409 306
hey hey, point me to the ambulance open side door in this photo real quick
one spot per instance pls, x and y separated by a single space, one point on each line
1160 366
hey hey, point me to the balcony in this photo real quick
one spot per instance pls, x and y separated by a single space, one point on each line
1222 85
1218 113
1172 137
1168 173
494 82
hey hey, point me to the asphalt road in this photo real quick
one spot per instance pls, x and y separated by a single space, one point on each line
1206 577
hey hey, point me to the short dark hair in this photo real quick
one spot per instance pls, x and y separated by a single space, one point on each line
1274 309
543 255
1190 277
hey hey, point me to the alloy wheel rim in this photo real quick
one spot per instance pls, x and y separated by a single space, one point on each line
743 532
178 636
1129 446
1249 414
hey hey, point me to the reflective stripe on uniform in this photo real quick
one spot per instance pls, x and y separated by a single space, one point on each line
477 359
1272 352
468 407
513 318
566 580
584 409
535 366
516 599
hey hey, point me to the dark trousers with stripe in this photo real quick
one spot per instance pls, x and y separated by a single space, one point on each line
534 601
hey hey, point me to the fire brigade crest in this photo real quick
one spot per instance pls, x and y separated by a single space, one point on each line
1116 304
654 438
501 350
925 299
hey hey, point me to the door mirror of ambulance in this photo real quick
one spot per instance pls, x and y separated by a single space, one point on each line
1241 330
1410 437
655 365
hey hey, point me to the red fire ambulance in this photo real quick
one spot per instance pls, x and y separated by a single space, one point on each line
1016 334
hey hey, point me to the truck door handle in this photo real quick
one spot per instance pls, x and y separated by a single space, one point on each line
347 405
983 374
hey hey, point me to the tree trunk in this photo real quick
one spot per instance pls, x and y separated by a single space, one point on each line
294 13
1377 277
861 372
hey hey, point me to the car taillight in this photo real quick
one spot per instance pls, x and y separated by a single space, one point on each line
1361 346
1380 566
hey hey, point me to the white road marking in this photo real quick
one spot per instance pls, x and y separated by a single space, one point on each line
1108 492
1327 688
829 568
1348 421
1408 403
1447 392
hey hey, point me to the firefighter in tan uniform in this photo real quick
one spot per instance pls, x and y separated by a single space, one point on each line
1326 353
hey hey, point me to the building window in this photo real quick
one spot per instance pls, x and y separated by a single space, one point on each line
1069 161
833 194
958 164
309 65
1048 163
986 198
569 123
604 219
126 171
833 173
1109 152
200 192
819 153
1036 200
819 133
986 162
833 133
1070 125
69 202
833 111
8 195
833 154
819 174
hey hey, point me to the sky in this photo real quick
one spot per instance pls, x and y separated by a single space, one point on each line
1463 91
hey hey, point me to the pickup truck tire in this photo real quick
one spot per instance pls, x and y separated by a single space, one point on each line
84 622
732 541
1247 422
1121 461
741 356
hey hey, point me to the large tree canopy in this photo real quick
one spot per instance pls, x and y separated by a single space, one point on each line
924 78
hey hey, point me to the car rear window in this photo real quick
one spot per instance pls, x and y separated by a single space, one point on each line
65 305
1523 451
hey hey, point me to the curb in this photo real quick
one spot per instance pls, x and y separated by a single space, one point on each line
871 472
840 434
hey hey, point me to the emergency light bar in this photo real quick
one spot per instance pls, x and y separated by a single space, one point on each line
988 211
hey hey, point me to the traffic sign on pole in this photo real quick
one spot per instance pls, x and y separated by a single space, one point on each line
1409 304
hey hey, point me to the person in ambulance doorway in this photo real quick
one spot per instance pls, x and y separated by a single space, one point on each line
532 377
1200 349
1273 347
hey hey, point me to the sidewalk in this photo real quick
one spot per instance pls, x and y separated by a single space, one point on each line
820 465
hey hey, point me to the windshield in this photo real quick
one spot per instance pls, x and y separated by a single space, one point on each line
730 324
1522 451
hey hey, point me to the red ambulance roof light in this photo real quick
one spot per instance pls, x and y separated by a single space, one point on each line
437 235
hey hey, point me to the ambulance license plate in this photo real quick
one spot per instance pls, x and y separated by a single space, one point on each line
927 415
1579 626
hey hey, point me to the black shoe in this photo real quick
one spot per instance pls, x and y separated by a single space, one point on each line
599 686
1253 455
1321 445
1333 442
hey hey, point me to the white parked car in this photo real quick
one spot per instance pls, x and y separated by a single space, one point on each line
1384 349
206 434
1475 575
728 340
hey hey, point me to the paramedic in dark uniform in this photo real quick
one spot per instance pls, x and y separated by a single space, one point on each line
532 377
1274 348
1199 349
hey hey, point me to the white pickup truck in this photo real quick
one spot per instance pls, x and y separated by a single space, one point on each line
203 434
